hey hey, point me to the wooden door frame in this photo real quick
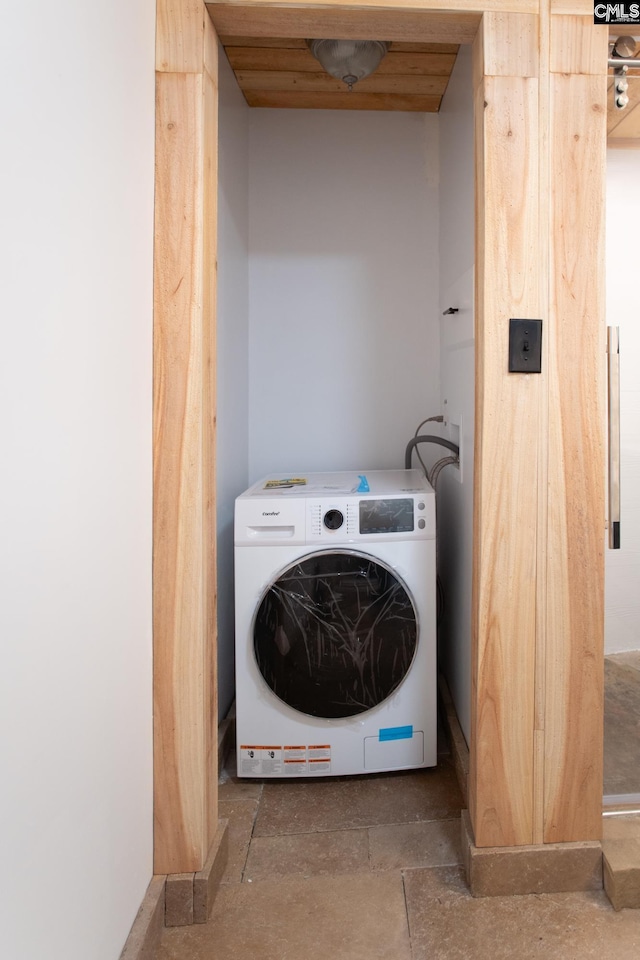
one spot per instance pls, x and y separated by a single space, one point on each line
540 117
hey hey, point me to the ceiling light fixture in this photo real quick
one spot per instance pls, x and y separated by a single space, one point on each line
348 60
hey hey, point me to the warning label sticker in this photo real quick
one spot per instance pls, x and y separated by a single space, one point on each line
316 767
319 759
290 760
260 760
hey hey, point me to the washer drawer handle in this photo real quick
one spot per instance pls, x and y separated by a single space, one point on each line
273 532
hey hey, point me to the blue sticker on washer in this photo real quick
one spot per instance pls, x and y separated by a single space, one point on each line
364 484
395 733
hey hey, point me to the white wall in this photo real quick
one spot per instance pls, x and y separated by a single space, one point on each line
76 175
343 330
622 570
232 453
457 358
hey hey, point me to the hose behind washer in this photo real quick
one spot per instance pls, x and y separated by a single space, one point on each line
427 438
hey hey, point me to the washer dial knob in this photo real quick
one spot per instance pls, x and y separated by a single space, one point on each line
333 519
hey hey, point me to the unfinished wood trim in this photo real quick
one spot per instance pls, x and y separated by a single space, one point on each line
506 474
544 175
479 229
553 792
577 46
209 538
510 45
210 62
572 8
179 766
185 695
301 21
577 411
396 7
179 35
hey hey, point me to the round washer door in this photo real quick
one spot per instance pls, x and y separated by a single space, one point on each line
335 634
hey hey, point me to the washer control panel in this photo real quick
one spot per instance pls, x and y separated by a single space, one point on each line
367 518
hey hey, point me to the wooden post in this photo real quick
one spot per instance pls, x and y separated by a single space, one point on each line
507 424
185 695
574 654
536 753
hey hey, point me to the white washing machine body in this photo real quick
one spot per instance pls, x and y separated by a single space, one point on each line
335 624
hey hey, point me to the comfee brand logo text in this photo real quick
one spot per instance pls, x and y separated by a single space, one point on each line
270 513
616 13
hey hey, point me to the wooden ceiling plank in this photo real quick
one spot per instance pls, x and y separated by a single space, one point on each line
265 58
404 64
398 47
342 101
290 43
302 82
371 24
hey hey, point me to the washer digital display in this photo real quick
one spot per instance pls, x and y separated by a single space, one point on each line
386 516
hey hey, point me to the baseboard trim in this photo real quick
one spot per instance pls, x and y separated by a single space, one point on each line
144 938
539 868
207 881
177 900
189 897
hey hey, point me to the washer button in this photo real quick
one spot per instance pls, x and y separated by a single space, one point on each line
422 523
421 505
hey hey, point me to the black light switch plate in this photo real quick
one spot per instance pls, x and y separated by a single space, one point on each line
525 346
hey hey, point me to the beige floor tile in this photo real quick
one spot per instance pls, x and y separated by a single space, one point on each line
430 844
358 917
308 855
447 923
349 802
241 815
622 872
621 828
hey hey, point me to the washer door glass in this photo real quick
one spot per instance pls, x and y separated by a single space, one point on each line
335 634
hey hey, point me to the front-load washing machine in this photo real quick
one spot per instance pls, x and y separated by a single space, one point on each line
335 624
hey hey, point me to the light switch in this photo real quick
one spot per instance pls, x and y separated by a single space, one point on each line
525 346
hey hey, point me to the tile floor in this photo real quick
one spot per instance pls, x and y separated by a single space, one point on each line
368 868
